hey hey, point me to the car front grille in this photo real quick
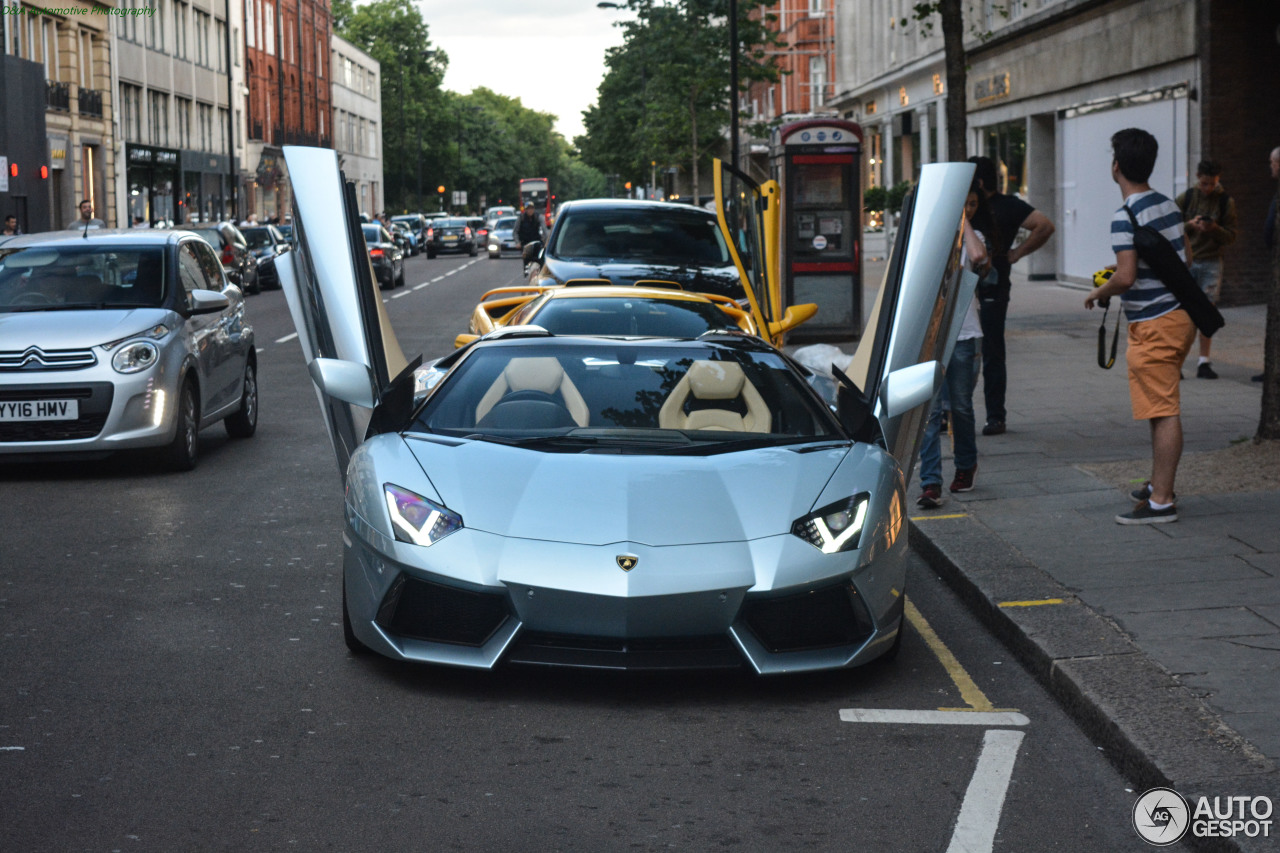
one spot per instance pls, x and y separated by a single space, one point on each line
631 654
94 404
34 358
821 618
422 610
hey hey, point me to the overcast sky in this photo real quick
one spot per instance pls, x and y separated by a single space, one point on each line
547 53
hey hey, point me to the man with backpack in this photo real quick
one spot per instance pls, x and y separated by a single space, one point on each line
1209 217
1160 331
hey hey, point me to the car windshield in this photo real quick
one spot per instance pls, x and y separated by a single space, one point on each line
259 238
372 234
645 398
507 223
450 223
628 316
651 235
88 277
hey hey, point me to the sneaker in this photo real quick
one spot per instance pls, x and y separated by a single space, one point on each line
964 479
930 496
1143 492
1144 514
1206 371
993 428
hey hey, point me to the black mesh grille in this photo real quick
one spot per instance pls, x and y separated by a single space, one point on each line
816 619
665 653
421 610
94 405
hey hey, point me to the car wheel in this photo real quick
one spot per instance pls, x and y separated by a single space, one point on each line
183 452
430 254
244 421
256 287
472 253
349 636
400 278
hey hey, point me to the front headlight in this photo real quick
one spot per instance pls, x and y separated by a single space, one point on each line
417 520
836 527
135 357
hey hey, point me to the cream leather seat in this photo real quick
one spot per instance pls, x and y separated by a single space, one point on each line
543 374
715 381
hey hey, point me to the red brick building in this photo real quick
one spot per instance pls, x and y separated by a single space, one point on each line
806 58
289 101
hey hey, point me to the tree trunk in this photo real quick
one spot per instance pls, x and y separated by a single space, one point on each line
953 46
693 122
1269 423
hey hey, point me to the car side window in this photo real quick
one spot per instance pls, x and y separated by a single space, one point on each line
189 272
212 267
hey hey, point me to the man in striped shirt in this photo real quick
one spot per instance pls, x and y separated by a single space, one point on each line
1160 332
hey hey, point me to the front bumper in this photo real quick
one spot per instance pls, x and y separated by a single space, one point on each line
775 605
117 411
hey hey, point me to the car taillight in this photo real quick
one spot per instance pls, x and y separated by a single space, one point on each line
430 233
466 232
228 257
375 253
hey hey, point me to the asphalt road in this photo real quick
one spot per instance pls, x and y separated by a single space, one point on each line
174 679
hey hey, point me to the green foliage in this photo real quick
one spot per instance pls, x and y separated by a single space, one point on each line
665 96
876 199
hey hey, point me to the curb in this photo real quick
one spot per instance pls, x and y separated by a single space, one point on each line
1155 730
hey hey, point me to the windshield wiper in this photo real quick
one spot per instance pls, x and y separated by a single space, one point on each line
592 438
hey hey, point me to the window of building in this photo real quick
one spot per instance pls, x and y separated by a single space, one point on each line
818 80
269 28
131 112
204 127
181 23
85 59
319 63
182 114
220 139
220 36
159 104
156 26
251 22
817 8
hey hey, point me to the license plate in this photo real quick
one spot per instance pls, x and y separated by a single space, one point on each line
40 410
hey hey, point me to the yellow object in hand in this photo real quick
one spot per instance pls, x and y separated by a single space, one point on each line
1101 277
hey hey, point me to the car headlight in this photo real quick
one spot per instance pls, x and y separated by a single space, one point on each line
134 357
417 520
836 527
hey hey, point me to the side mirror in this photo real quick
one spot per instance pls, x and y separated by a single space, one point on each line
208 302
792 317
343 380
462 340
909 387
532 251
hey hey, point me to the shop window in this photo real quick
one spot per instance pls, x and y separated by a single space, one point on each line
1006 145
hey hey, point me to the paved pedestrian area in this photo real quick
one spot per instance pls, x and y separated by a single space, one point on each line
1163 640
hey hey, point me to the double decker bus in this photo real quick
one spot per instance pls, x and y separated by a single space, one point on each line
536 191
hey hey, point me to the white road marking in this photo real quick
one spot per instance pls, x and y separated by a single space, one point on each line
286 338
13 749
420 286
259 349
934 718
437 278
452 271
984 800
400 294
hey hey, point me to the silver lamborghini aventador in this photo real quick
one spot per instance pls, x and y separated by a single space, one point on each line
625 503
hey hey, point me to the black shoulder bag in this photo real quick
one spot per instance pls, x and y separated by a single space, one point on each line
1158 254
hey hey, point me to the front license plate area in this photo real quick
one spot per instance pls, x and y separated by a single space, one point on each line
39 410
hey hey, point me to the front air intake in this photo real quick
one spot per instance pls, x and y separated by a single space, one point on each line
820 618
422 610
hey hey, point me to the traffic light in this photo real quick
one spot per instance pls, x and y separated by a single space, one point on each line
627 186
440 189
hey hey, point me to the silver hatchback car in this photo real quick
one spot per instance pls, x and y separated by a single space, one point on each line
113 340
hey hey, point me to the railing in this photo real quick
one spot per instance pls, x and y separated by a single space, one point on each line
91 103
256 132
58 96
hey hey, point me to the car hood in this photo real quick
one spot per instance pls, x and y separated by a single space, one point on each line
599 498
722 280
51 330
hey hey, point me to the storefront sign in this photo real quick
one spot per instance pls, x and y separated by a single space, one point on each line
991 88
57 152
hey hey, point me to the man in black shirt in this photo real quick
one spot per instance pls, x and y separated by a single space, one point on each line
1007 214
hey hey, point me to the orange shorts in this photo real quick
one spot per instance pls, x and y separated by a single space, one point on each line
1157 349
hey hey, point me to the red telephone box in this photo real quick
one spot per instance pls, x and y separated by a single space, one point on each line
816 162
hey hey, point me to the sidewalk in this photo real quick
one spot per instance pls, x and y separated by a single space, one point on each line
1166 642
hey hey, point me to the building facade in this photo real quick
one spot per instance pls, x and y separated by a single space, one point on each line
176 73
1049 81
357 121
289 102
57 134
